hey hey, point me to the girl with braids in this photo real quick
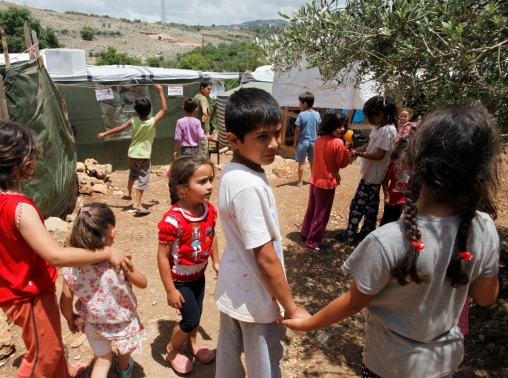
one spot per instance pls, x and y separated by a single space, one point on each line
106 304
412 276
186 240
382 113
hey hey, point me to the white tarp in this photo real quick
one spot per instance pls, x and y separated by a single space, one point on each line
263 73
288 86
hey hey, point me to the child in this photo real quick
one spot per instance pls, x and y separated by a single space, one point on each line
305 133
412 276
203 110
28 256
382 113
188 131
140 150
331 155
394 186
405 127
251 292
186 240
106 305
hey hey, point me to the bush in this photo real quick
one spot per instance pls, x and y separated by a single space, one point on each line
90 54
87 33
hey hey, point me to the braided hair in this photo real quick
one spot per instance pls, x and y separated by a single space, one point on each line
454 155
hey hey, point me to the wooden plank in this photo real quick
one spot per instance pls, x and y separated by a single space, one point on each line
40 60
288 149
284 125
36 42
4 113
289 114
28 41
6 50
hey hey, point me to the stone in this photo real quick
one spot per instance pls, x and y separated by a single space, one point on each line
70 218
100 188
220 167
58 229
83 178
80 167
86 188
100 172
228 153
279 160
281 170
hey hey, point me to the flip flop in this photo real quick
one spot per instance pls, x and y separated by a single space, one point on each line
124 197
181 364
138 213
80 368
204 355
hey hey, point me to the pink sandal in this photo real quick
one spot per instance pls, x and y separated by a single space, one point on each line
181 364
204 355
80 368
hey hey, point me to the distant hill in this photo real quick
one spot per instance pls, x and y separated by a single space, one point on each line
251 24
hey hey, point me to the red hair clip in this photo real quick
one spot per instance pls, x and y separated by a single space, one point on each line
419 245
466 256
86 209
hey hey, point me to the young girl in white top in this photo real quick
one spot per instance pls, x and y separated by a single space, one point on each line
381 112
106 305
412 276
186 240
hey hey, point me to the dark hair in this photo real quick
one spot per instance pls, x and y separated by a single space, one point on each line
205 83
400 147
189 104
18 147
308 98
143 106
182 170
247 108
406 109
90 229
455 154
332 121
383 104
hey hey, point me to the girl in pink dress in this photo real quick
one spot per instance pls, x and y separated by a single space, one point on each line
106 305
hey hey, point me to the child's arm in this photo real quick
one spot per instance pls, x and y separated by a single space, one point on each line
484 291
341 308
117 129
386 192
272 272
378 155
66 307
137 278
175 299
164 106
36 235
215 254
296 136
176 145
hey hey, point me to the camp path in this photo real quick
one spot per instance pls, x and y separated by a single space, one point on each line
314 277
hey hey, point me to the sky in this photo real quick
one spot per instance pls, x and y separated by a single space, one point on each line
190 12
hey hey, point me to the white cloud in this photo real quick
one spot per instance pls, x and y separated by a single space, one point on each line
191 12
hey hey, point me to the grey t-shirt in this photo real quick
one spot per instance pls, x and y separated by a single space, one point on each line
411 330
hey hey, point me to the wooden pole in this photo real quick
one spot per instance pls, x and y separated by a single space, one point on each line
6 50
4 113
36 42
28 41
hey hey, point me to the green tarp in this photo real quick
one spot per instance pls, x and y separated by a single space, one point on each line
34 101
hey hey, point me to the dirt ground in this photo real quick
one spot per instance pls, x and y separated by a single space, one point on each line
314 277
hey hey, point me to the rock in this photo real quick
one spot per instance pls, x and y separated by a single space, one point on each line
86 188
70 218
101 172
279 160
100 188
80 167
281 171
83 178
58 229
220 167
93 180
228 153
80 202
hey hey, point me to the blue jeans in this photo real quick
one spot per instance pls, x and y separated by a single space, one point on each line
193 293
304 148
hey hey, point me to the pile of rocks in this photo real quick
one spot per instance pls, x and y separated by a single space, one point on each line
93 177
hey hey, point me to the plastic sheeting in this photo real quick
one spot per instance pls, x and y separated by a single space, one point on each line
34 101
288 86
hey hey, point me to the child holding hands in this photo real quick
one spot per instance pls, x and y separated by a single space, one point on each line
106 305
412 276
186 240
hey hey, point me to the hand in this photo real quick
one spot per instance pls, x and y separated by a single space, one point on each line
158 88
175 155
298 312
216 268
349 145
175 298
204 118
101 135
121 260
72 325
296 324
387 199
210 137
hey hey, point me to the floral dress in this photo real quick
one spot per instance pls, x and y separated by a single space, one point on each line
107 303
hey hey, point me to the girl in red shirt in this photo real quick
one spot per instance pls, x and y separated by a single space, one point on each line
28 256
331 154
186 240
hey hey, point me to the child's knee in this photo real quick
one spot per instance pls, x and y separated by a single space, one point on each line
188 326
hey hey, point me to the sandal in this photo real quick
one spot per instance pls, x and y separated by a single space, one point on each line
80 368
204 355
181 364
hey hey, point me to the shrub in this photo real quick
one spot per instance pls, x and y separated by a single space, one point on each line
87 33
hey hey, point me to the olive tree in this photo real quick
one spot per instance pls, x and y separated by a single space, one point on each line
427 53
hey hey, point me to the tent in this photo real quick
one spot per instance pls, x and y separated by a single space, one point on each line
34 101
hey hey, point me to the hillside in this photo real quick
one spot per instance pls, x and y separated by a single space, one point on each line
136 39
